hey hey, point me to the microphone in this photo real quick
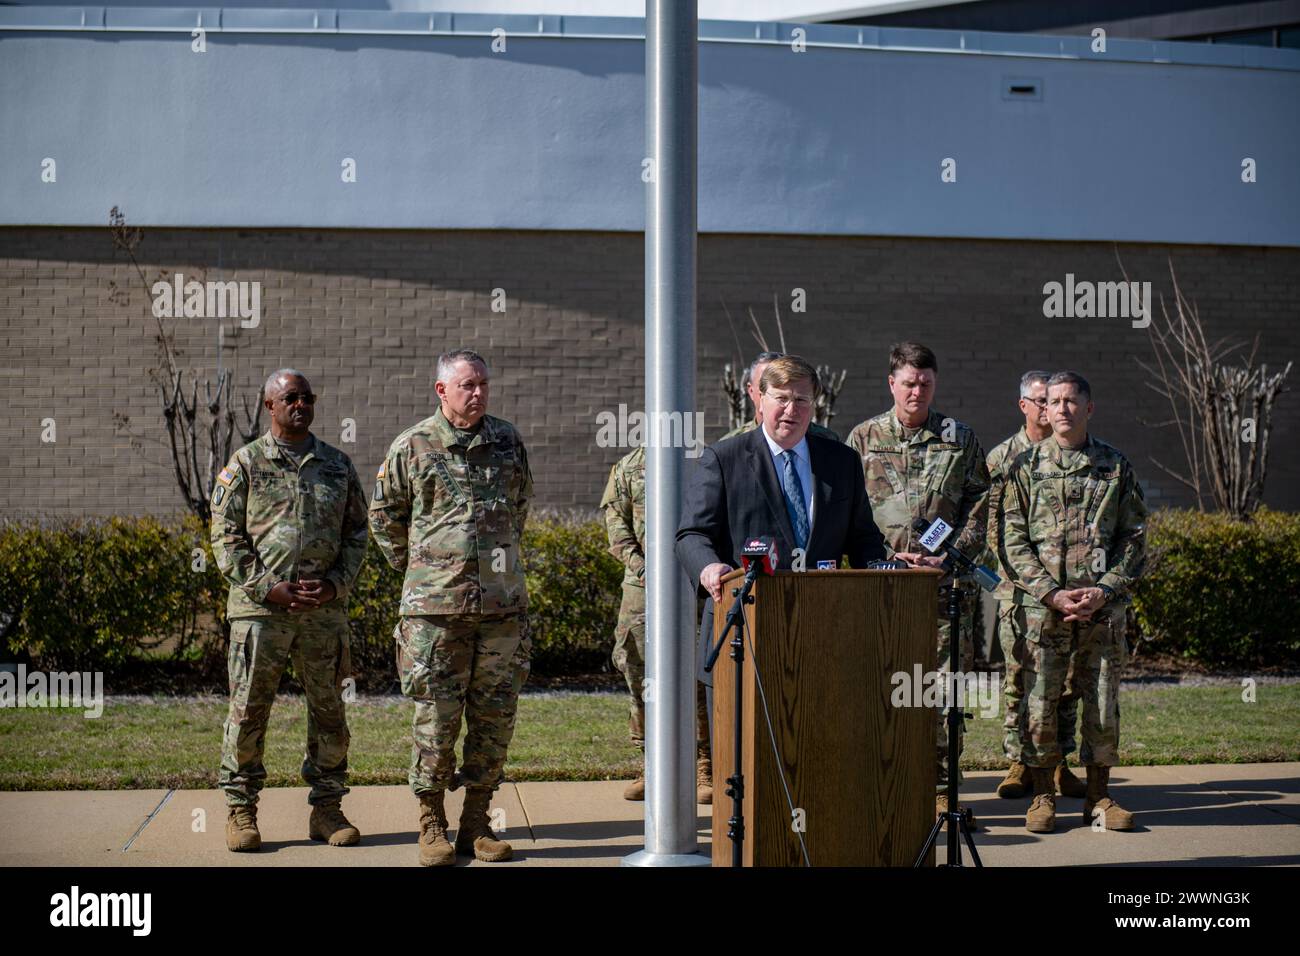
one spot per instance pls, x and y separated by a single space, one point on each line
934 538
756 555
759 554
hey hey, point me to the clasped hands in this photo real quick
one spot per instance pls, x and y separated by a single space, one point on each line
302 595
1076 604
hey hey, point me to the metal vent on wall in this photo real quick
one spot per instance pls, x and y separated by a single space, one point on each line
1022 88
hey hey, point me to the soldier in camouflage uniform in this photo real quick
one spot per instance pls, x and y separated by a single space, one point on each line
624 507
1033 406
289 534
1074 540
920 464
448 509
753 375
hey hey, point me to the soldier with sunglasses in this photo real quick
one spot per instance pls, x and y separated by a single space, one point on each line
289 535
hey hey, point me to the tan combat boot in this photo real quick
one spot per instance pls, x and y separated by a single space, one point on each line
241 829
1067 784
703 779
941 807
435 848
474 835
1114 817
636 789
329 824
1041 817
1017 783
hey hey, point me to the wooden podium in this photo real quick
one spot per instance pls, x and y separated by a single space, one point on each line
861 770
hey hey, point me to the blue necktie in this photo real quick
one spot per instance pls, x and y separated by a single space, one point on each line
794 501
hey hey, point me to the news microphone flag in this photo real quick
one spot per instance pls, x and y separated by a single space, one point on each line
762 550
934 538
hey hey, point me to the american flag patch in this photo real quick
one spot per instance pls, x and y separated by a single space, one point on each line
227 477
383 470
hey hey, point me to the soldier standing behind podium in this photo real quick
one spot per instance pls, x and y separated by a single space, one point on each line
624 507
1074 539
289 534
1037 426
920 464
448 509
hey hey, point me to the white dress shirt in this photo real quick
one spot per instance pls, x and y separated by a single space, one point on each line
802 467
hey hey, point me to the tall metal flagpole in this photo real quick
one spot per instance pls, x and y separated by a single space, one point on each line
671 119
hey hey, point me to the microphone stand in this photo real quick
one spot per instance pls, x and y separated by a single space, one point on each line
958 820
736 782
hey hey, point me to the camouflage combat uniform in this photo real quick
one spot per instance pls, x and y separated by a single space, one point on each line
448 509
821 431
272 521
624 507
934 471
1072 519
1013 642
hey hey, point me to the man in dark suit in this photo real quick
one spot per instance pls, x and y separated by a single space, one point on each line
805 491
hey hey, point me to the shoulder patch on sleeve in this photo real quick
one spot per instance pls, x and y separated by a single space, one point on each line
383 470
226 476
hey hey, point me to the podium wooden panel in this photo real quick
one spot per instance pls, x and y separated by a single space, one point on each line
861 770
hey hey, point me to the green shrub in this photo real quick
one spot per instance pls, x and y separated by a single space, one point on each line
1222 591
372 610
97 594
85 594
574 589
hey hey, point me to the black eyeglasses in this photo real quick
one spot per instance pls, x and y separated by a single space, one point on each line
1040 402
292 398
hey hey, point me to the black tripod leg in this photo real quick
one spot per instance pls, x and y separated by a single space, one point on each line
970 842
954 819
954 839
930 841
952 720
737 753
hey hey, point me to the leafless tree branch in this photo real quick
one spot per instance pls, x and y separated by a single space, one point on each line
180 406
1222 412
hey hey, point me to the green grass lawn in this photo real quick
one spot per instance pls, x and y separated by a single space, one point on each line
176 742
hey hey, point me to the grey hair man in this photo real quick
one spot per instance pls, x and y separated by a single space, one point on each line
448 510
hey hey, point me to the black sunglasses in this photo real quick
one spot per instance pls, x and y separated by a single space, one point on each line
292 398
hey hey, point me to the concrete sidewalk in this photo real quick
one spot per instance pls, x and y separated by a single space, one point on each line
1207 815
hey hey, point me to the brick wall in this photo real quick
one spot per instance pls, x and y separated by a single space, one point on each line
364 313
